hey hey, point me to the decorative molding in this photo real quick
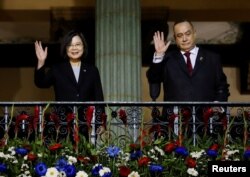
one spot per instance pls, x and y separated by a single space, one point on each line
213 32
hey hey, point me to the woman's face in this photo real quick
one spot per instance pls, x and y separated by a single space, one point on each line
75 49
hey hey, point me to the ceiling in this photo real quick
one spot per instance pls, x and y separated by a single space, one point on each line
196 10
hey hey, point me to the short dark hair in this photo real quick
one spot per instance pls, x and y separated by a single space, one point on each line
181 21
67 40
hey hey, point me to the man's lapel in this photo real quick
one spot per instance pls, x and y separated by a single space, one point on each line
200 59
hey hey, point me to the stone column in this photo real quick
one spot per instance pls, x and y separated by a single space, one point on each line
118 48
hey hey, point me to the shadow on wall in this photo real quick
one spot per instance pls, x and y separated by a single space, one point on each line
10 83
17 84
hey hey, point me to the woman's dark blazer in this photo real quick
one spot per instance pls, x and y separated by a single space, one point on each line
66 88
207 83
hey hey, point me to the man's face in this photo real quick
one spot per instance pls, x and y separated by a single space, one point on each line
184 35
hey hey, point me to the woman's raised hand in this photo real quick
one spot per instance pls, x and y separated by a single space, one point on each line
41 53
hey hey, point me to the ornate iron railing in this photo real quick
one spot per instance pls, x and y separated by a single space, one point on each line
121 122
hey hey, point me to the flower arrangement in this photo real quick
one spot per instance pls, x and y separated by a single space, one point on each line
156 158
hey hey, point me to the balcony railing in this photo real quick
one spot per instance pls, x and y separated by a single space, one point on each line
121 122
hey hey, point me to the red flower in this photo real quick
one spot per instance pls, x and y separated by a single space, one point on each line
143 138
76 135
70 117
248 148
186 114
124 171
208 112
190 162
170 147
82 159
214 147
31 157
171 119
21 117
2 142
134 146
223 118
94 158
143 161
155 128
54 118
177 142
89 115
27 146
55 147
36 117
247 114
123 116
143 144
104 120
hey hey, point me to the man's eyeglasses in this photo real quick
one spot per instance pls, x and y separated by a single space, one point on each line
77 45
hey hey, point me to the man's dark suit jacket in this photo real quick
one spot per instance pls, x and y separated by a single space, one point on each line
207 83
66 88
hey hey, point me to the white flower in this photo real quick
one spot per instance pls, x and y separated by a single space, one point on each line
197 154
134 174
62 174
13 153
126 157
96 165
232 152
52 172
229 153
39 155
25 166
159 150
81 174
192 171
72 160
11 148
21 175
104 170
27 173
8 156
15 161
1 154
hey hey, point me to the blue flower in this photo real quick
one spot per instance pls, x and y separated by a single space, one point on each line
21 151
135 155
247 154
113 151
181 151
212 153
70 170
41 169
3 168
61 164
96 169
155 168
